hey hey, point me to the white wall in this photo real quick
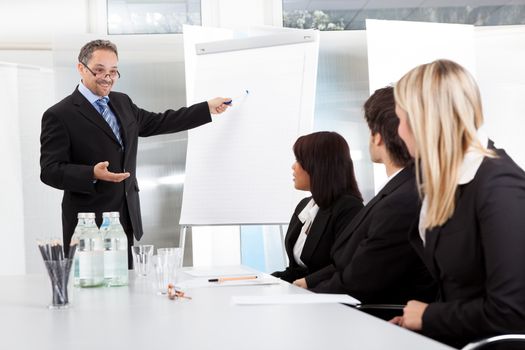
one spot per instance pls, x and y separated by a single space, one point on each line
500 55
28 208
34 23
42 217
11 203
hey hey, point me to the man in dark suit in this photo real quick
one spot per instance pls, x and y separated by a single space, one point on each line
373 260
89 142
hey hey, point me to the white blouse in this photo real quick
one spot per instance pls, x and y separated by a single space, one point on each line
307 216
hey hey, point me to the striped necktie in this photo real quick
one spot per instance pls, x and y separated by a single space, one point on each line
109 117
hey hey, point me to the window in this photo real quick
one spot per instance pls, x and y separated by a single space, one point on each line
351 15
152 16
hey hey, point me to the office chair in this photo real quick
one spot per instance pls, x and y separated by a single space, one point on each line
509 339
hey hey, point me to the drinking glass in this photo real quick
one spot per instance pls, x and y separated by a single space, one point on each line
141 259
166 263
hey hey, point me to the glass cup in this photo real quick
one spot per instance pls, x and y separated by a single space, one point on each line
59 272
171 250
141 259
166 263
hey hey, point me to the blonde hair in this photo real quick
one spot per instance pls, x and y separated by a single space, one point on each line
443 105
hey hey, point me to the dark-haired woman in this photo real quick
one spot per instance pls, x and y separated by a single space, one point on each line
324 167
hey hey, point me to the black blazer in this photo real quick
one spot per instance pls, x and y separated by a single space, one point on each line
327 226
478 257
75 137
373 260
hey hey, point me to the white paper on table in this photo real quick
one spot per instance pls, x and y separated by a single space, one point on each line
203 283
309 298
224 271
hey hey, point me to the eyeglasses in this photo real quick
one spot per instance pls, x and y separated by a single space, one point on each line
101 72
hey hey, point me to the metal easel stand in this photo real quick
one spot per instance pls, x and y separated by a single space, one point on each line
283 247
182 240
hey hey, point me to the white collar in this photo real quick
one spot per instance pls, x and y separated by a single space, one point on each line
310 211
90 96
388 180
472 159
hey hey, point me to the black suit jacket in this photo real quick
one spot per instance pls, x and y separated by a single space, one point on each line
327 226
373 260
478 257
75 137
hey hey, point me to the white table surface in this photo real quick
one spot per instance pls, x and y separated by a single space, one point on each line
134 317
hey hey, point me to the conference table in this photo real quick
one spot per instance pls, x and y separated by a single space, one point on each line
135 317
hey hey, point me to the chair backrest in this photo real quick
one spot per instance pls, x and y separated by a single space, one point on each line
496 339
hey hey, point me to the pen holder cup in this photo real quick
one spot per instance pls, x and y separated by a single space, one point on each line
59 271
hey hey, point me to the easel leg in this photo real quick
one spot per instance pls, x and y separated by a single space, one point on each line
182 240
285 257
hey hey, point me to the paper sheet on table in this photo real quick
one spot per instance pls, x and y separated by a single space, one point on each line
309 298
203 283
224 271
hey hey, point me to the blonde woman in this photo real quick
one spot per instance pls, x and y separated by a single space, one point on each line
472 223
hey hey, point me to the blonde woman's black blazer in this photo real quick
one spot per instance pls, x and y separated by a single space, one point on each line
478 257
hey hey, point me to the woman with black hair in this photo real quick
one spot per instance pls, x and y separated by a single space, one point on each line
324 167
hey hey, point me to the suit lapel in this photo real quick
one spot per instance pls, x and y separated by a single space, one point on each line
316 232
291 235
294 228
90 113
415 239
431 239
391 186
360 217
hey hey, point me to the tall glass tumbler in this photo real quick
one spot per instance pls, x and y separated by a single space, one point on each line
167 263
141 259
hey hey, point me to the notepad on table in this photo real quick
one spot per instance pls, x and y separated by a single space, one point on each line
220 271
204 283
307 298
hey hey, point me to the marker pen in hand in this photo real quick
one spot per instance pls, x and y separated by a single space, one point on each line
246 92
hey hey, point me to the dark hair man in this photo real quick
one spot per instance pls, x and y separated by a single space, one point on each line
373 260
